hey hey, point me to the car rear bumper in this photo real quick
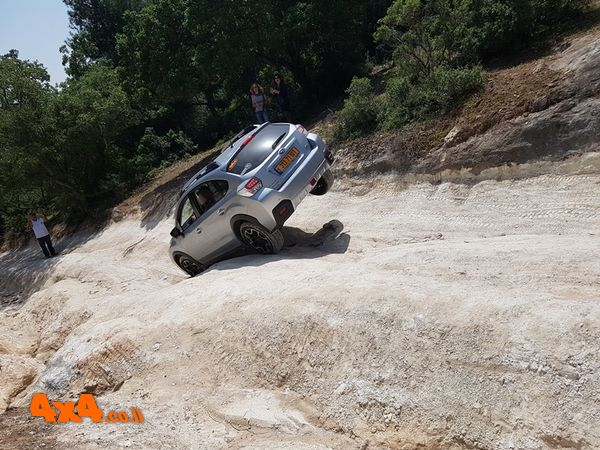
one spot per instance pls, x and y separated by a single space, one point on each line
295 189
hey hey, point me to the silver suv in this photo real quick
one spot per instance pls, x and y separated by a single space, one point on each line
247 193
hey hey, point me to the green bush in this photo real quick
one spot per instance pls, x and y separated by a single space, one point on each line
549 14
437 46
359 114
422 34
156 151
395 111
494 26
444 90
497 27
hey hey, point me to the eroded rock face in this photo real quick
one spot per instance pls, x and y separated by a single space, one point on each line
443 315
17 373
563 121
567 128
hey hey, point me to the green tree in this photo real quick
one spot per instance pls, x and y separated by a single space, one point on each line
60 150
423 35
96 24
25 99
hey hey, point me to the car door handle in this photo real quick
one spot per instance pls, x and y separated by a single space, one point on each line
198 230
221 212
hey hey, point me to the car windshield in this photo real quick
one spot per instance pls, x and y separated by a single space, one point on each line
258 149
187 215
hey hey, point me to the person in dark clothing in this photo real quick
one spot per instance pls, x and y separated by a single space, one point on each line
41 233
280 92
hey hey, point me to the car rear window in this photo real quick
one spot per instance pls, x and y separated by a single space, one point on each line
258 149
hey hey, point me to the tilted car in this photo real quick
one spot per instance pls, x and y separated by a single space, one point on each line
247 193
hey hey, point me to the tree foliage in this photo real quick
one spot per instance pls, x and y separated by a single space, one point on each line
60 149
25 100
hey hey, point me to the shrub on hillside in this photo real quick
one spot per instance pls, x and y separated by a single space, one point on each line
549 14
359 114
156 151
444 90
395 110
497 27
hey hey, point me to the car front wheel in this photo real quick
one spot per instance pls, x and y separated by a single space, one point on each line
260 239
189 265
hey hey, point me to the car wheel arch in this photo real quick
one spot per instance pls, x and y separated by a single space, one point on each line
237 220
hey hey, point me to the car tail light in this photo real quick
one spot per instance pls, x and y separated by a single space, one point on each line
301 129
247 140
313 181
252 186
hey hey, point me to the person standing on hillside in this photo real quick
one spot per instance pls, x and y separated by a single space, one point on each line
259 103
280 92
41 233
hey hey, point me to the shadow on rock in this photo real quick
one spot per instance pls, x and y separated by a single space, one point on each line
26 270
329 239
299 244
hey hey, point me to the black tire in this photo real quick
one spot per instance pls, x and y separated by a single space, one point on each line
324 184
189 265
261 240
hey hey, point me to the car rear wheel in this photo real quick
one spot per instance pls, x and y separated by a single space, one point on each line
189 265
324 184
260 239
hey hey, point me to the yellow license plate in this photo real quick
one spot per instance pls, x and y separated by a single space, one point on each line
287 160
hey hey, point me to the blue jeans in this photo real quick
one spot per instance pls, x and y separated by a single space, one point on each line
262 116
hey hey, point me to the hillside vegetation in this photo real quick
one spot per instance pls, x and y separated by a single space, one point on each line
153 81
437 49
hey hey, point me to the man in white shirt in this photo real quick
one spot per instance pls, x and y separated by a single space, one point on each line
41 234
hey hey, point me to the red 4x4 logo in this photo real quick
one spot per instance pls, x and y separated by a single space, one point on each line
74 412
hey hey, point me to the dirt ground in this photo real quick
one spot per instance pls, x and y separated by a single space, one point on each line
449 315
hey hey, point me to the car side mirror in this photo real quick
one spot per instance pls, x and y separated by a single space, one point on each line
176 232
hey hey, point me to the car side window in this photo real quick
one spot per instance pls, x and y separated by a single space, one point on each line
209 193
187 215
